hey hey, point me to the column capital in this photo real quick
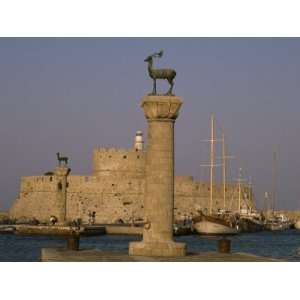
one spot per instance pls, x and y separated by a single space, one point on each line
161 107
62 171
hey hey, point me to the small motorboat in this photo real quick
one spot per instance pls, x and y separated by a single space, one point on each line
7 230
182 228
278 223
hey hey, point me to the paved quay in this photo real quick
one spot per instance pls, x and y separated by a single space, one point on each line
85 230
63 255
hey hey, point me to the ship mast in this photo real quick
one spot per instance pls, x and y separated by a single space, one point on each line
274 180
239 187
250 192
224 170
266 200
211 162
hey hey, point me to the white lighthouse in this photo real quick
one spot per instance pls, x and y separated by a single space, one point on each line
139 141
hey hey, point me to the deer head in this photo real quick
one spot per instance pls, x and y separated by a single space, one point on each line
156 54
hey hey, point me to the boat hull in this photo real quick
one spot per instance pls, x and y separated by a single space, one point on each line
248 225
277 227
212 228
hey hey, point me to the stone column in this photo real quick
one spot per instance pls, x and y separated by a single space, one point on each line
61 173
161 113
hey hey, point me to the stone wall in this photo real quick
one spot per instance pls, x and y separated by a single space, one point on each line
293 215
37 198
192 196
118 162
4 215
111 198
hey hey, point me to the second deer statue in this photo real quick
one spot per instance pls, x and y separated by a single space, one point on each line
62 159
168 74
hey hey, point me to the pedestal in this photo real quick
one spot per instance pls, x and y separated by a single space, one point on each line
161 113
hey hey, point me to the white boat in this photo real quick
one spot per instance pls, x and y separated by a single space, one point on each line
7 229
212 228
215 225
277 223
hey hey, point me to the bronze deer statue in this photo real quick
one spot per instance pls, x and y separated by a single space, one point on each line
168 74
62 159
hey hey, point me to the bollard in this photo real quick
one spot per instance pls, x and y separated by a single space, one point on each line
73 242
224 245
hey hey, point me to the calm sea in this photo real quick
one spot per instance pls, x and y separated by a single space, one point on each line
282 244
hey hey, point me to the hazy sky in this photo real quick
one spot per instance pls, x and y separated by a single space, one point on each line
70 95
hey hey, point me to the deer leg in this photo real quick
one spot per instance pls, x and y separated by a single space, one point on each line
154 87
171 87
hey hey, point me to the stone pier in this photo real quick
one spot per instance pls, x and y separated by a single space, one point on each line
61 192
161 113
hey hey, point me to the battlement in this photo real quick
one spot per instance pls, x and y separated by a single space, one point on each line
113 150
41 178
38 183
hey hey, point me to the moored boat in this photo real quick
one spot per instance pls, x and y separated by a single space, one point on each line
249 224
250 221
7 230
215 225
182 228
277 223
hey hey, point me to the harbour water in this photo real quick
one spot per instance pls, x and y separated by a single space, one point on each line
280 245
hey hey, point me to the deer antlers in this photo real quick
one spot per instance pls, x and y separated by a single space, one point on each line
158 54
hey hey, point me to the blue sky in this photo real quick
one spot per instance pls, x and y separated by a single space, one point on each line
71 94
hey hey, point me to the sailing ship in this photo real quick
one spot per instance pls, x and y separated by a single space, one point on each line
220 223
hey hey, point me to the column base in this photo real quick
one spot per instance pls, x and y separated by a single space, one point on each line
157 249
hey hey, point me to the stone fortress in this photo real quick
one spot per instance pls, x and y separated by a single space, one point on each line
115 191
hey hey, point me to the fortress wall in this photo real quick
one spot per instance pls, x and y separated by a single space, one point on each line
39 205
118 162
38 183
192 196
92 184
108 207
294 215
112 197
36 198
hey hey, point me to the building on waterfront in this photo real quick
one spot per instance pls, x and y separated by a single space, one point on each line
115 190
